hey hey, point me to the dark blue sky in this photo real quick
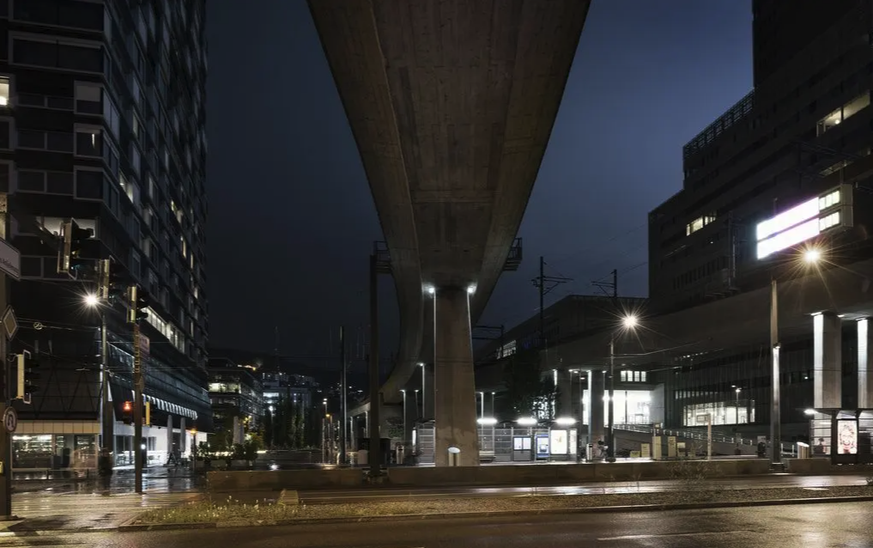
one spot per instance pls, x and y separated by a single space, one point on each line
291 217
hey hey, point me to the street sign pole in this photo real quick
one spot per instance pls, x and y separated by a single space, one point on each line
5 402
137 407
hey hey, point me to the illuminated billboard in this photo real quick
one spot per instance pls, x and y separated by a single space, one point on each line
833 209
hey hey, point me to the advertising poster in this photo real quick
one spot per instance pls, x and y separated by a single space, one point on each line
847 437
558 443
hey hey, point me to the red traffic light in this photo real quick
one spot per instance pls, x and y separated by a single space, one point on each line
128 407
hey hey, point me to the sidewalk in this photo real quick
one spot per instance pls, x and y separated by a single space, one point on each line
159 478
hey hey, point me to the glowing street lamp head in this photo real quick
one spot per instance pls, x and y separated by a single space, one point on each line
630 321
812 255
91 300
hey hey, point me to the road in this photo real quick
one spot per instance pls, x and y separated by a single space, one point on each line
824 525
593 488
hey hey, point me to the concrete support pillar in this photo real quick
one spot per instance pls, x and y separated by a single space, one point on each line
597 393
183 437
827 361
366 424
865 364
565 394
455 392
169 435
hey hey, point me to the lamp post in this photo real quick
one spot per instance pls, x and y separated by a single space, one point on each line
811 256
402 391
737 406
423 391
627 323
106 416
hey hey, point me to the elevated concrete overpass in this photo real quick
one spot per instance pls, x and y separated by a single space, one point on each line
451 103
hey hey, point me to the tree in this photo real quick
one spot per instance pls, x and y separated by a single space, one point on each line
527 393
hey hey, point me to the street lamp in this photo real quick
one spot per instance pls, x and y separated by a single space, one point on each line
628 323
737 405
423 366
403 391
106 416
811 256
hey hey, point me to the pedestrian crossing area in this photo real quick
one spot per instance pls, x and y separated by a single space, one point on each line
77 512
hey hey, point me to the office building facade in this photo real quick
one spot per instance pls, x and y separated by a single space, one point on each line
103 121
235 391
802 137
803 129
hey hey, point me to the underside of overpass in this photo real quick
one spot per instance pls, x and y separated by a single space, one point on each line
451 104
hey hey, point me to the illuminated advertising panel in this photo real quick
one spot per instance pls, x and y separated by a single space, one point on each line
833 209
803 212
847 437
558 442
791 237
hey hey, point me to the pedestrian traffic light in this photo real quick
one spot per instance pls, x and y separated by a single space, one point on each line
26 376
139 301
127 412
73 238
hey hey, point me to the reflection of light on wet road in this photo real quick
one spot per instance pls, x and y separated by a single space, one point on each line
593 488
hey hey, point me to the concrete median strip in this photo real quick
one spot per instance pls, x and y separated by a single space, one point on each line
211 515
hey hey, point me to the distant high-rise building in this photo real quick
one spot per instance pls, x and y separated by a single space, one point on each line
102 120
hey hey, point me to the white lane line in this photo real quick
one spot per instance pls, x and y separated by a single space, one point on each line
667 535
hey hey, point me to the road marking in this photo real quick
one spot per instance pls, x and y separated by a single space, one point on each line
666 535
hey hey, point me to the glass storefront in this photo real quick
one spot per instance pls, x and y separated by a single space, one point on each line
54 451
721 412
631 406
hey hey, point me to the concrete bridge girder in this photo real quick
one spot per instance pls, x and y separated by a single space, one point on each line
451 103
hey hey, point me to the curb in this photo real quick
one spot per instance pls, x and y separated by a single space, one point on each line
496 514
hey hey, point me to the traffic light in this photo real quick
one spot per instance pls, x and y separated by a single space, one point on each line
127 412
139 301
147 415
117 283
72 240
26 376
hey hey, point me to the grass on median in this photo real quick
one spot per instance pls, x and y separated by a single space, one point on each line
230 511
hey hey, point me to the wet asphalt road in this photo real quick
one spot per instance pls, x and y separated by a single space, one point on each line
588 488
845 525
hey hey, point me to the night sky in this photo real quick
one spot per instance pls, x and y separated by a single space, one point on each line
291 218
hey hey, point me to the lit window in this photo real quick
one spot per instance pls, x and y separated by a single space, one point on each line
829 201
4 91
698 223
851 108
830 221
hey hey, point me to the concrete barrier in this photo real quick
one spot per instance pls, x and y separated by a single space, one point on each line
568 474
276 480
823 466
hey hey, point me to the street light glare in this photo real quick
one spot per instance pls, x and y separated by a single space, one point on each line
812 255
91 300
630 321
